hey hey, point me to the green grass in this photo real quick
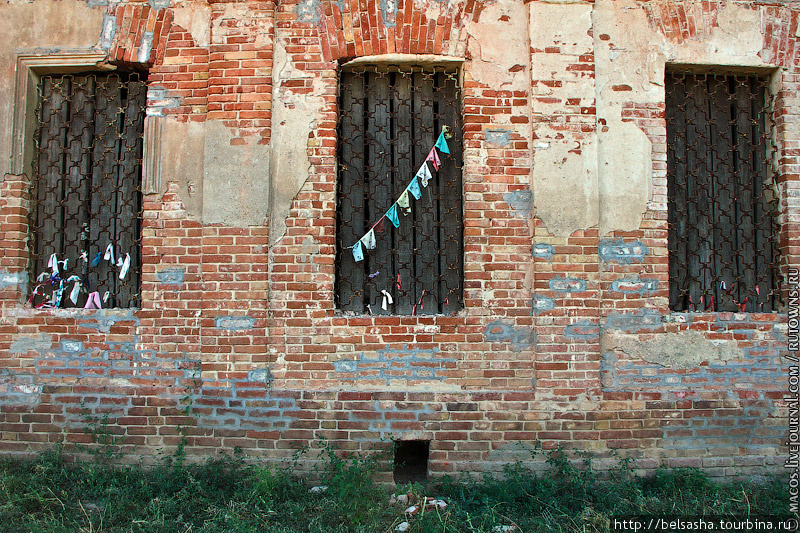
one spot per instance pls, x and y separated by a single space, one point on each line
231 494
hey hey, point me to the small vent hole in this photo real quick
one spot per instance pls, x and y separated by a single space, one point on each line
411 461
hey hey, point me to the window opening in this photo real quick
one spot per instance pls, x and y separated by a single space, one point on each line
389 119
722 194
86 193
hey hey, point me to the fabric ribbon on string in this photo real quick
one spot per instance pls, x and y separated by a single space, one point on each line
433 157
58 294
391 214
441 144
76 288
369 240
93 302
403 202
414 189
358 252
52 264
424 174
109 255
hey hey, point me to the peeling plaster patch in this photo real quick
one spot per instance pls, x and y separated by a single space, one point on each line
500 137
182 149
18 390
391 365
309 10
261 375
234 323
158 4
171 276
494 61
197 19
294 121
542 303
235 180
543 251
563 284
738 31
565 181
96 3
624 253
649 319
13 279
634 285
683 350
72 346
584 330
608 371
145 47
109 30
389 12
520 338
308 250
159 99
624 173
39 344
521 202
103 319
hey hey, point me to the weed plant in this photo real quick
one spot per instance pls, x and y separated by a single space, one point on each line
230 494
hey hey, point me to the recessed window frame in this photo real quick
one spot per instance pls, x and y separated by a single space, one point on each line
30 66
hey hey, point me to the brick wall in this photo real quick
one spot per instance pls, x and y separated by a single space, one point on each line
565 321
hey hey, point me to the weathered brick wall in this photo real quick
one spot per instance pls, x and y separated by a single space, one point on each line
565 336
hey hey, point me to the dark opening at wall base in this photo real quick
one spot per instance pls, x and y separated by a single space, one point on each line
411 461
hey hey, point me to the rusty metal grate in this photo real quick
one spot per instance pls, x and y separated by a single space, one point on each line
87 201
723 194
389 118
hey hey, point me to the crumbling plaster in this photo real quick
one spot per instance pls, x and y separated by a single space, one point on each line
235 179
218 183
294 117
611 175
628 69
500 63
684 350
560 163
196 18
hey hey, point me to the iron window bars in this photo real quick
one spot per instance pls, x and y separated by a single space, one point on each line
722 194
389 118
86 194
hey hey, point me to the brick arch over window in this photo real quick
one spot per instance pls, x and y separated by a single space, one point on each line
136 35
356 29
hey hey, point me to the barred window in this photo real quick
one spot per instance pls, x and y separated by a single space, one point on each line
86 193
722 193
389 120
